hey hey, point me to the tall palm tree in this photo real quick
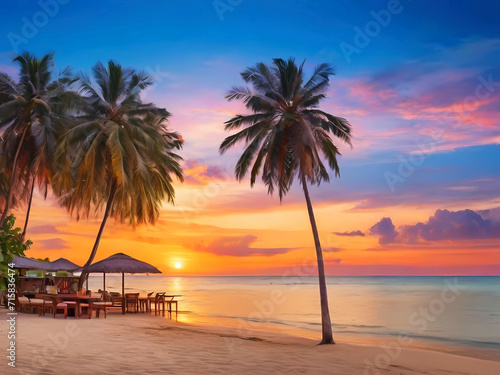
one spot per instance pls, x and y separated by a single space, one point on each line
285 136
120 155
33 113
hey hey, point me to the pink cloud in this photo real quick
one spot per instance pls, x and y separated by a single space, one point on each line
239 247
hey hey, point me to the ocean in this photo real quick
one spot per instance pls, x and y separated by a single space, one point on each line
460 311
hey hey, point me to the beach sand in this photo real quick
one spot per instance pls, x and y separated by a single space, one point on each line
145 344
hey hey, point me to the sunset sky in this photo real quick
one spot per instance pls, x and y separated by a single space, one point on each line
418 80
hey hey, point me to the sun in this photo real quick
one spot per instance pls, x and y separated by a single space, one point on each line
178 265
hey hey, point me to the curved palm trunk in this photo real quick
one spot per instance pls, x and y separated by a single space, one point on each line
28 211
326 324
109 203
10 193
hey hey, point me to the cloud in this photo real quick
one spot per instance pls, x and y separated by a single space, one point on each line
332 250
444 225
353 233
333 261
44 229
197 173
52 244
451 225
239 247
51 229
385 230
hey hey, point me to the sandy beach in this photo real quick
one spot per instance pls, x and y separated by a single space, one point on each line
145 344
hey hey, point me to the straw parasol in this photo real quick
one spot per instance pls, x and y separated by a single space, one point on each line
121 263
62 264
29 264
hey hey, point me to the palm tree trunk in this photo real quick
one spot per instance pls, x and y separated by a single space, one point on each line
326 324
109 203
28 211
10 193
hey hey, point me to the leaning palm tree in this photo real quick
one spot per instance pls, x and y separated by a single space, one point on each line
33 113
285 135
120 155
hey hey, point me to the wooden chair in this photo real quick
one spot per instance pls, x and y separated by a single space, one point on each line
61 306
51 306
169 306
101 305
23 304
132 299
159 302
116 301
38 305
145 303
72 305
85 308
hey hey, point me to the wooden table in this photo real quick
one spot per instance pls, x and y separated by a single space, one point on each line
77 298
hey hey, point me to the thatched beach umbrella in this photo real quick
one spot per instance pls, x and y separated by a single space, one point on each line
29 264
121 263
62 264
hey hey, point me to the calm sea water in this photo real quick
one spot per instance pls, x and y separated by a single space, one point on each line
450 310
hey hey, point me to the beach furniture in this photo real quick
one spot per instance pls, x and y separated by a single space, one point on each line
73 306
164 303
85 308
23 304
145 302
132 300
97 306
117 300
52 306
61 306
159 302
121 263
38 305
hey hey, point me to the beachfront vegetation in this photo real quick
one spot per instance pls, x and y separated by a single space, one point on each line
93 141
32 116
285 136
10 246
120 154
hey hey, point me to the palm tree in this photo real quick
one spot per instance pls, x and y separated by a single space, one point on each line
33 113
285 135
120 155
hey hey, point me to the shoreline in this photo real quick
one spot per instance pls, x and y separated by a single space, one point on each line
448 346
137 343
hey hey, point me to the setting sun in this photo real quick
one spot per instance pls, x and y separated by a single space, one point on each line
178 265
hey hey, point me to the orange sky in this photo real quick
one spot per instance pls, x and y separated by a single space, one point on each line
254 234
